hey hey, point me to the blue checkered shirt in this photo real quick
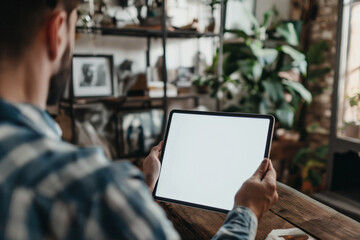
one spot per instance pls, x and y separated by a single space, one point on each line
50 189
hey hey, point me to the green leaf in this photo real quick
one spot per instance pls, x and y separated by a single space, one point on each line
286 115
251 18
268 18
264 107
288 31
238 33
250 69
315 54
315 177
297 56
315 74
264 55
256 45
257 71
300 155
274 89
317 129
300 89
321 152
353 101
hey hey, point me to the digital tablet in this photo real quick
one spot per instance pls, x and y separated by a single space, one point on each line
207 156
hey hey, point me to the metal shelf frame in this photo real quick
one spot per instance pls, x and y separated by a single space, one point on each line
164 34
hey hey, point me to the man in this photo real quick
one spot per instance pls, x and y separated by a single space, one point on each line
88 71
50 189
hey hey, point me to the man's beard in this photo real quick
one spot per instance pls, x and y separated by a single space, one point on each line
58 81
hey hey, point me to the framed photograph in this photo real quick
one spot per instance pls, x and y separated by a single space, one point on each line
92 76
140 131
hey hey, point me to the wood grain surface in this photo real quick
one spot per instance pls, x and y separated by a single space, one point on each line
193 223
293 209
314 217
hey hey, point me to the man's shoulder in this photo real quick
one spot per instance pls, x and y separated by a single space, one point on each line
51 166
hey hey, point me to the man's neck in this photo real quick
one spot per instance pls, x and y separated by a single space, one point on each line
25 81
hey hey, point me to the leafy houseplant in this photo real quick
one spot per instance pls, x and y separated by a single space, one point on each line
311 163
262 78
351 128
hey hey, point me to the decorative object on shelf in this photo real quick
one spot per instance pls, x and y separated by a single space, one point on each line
125 78
156 89
89 136
199 64
140 131
211 24
92 75
351 118
85 12
184 77
202 84
153 12
159 65
194 26
139 88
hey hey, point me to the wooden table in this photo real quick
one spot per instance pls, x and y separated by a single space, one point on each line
293 209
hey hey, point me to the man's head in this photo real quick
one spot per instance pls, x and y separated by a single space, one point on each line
45 25
88 71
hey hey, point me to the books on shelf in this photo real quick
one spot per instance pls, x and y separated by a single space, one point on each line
156 89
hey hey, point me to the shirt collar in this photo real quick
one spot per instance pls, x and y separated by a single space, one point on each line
31 117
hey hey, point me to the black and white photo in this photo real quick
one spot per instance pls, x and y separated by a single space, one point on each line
92 75
140 131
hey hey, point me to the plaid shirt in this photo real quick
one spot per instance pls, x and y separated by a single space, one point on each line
50 189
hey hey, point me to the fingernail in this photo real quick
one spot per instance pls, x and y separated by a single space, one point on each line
264 161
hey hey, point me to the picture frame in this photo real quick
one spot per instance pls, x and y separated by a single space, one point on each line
92 76
140 131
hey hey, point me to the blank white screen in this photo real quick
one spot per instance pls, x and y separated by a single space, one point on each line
207 158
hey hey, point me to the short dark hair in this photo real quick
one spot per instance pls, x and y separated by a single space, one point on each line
20 21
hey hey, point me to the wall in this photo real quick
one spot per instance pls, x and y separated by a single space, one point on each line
324 27
236 15
179 52
283 6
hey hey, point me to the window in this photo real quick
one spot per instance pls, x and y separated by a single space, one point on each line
349 73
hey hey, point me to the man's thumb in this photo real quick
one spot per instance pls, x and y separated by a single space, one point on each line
262 169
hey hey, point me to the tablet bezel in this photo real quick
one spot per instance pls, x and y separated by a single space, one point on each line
244 115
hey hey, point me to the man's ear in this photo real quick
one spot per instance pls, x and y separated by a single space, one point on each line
57 35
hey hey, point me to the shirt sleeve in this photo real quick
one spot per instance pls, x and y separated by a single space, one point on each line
240 224
107 201
128 210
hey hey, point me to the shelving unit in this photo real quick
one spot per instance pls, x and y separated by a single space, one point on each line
143 32
144 103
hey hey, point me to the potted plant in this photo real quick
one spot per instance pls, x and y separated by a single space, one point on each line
310 164
259 78
352 128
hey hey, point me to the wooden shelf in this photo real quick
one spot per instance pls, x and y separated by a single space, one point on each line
138 99
144 32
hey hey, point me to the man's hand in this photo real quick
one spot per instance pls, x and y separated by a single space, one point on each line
151 166
259 193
